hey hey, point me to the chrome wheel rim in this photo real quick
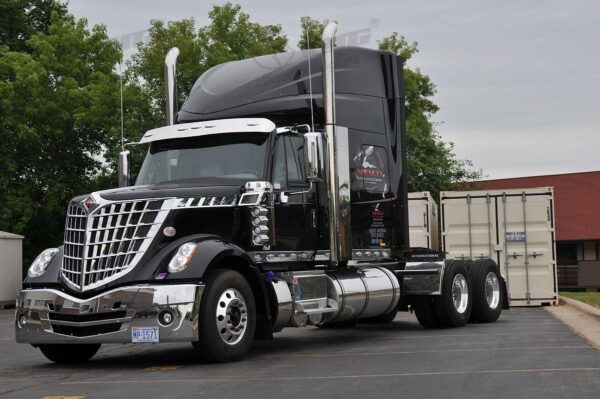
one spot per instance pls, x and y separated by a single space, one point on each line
492 290
460 293
232 316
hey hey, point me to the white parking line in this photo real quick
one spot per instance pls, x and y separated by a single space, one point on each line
411 352
332 377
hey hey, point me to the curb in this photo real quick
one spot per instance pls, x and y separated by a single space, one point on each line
584 307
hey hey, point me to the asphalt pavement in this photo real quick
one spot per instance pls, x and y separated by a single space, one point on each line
526 354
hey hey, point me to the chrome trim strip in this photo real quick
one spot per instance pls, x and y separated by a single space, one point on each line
281 256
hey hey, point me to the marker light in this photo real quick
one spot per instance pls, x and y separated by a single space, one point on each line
183 257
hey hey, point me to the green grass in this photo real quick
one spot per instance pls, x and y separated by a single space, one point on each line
591 298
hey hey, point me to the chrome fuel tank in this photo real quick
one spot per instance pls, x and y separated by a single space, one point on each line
361 293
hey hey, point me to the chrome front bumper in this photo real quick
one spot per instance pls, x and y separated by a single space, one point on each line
46 316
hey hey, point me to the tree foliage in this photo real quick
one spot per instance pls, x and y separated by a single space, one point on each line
229 36
312 31
20 19
58 109
432 164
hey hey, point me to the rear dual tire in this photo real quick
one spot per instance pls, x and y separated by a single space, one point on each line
453 307
488 295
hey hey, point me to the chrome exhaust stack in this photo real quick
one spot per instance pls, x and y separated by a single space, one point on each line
340 233
171 85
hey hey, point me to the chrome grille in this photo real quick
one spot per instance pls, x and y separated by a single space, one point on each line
74 244
107 243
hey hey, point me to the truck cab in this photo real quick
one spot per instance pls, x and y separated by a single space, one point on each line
275 197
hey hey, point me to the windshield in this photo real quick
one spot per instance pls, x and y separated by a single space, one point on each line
230 156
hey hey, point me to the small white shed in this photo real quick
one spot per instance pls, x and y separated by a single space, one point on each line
11 267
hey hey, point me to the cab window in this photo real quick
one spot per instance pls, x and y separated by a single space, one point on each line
289 162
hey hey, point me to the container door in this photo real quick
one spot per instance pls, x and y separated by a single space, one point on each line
418 223
527 256
469 227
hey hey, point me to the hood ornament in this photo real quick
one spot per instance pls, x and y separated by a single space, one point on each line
88 204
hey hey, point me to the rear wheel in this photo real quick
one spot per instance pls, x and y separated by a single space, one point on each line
69 353
453 306
423 307
227 319
487 291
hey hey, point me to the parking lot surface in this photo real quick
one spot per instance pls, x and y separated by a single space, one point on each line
526 354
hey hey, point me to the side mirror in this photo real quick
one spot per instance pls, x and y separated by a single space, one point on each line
313 157
124 161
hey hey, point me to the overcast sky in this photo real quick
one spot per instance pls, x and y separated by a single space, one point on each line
518 81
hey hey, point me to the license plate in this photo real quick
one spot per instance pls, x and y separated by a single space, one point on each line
144 334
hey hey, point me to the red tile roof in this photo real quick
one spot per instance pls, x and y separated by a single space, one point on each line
576 201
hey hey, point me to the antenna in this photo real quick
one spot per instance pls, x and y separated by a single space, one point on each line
312 116
121 83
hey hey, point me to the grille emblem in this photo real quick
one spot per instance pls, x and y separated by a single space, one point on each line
88 204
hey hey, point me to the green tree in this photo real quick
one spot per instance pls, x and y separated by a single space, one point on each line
229 36
20 19
58 112
432 164
312 30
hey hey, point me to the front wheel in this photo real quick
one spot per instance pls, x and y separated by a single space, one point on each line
69 353
227 319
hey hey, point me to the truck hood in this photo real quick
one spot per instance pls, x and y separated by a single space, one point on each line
169 191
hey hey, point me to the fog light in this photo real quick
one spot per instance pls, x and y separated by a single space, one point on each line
165 318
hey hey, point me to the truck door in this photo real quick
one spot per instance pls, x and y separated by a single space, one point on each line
295 225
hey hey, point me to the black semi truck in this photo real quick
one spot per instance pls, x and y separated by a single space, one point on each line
275 197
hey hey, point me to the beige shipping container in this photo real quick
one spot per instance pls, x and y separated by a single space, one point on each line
513 227
11 267
423 221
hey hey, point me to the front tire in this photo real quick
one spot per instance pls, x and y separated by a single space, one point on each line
69 353
488 295
227 319
453 306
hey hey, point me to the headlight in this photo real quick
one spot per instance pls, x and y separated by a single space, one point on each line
183 257
39 265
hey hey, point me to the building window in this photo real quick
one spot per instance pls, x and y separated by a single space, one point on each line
569 253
